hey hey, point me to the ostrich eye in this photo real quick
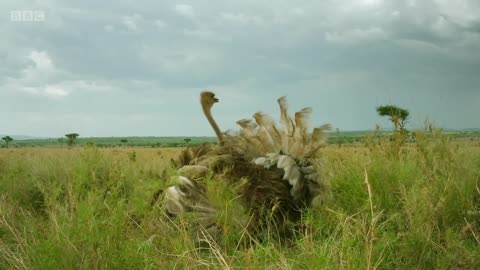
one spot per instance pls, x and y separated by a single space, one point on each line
214 98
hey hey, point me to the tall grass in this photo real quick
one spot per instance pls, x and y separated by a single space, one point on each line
392 206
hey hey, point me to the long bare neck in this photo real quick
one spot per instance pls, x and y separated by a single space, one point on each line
212 122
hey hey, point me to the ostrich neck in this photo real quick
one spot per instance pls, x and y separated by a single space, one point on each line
212 122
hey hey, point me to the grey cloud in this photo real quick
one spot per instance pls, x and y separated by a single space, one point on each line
128 58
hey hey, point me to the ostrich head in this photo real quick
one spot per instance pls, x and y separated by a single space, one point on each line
207 99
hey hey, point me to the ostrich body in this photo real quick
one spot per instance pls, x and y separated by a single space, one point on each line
273 168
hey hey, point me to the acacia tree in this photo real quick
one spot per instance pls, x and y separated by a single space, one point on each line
398 116
7 140
187 140
124 141
71 137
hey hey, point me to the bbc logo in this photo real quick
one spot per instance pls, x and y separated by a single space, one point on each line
27 16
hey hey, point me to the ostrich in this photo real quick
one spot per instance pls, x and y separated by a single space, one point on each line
274 170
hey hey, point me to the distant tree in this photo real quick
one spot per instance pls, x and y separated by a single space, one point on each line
71 137
398 116
187 140
7 140
124 141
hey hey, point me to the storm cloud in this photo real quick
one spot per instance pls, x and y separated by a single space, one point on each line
107 68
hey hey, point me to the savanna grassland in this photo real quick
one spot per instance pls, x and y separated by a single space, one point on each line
390 206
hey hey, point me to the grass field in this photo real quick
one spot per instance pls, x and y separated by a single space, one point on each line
390 206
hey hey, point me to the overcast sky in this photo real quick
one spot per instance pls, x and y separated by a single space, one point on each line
135 68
